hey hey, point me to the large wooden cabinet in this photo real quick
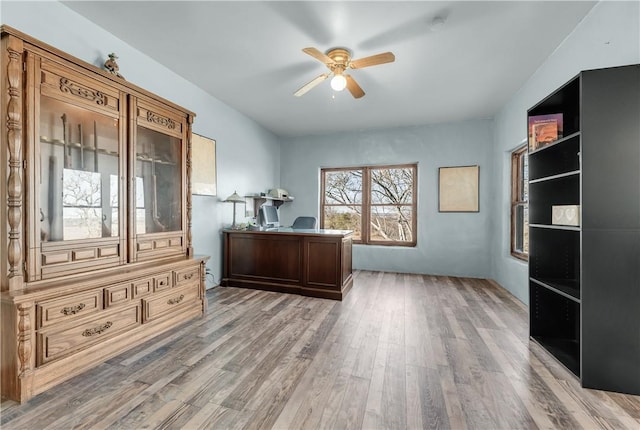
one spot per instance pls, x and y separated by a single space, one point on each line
96 216
584 270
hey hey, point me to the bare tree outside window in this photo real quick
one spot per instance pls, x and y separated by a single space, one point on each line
82 204
343 201
377 203
392 204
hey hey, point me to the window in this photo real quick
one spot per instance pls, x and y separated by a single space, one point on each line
378 203
520 203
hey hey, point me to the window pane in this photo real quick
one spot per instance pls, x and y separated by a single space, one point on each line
519 199
391 223
522 228
392 186
525 229
524 175
343 218
343 187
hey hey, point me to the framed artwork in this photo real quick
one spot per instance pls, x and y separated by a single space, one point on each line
203 162
459 189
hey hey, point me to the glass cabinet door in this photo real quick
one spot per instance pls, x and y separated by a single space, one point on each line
79 172
158 182
158 209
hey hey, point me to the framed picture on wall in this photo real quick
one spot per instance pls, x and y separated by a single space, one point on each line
203 159
458 189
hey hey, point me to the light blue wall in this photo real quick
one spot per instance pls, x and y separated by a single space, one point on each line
608 36
448 243
236 135
452 244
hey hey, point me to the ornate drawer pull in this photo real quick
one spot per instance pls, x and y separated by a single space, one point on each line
72 310
97 330
187 277
176 300
162 283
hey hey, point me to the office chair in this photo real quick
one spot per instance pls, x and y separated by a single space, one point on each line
304 222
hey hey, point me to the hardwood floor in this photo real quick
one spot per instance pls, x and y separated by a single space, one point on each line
400 352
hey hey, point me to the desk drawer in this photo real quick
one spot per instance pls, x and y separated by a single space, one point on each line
68 308
157 305
54 344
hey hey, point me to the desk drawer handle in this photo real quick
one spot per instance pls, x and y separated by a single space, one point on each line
187 277
97 330
162 283
72 310
176 300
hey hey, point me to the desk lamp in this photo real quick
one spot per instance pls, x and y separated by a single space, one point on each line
234 198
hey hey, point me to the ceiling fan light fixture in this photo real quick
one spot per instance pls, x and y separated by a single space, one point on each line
338 82
338 60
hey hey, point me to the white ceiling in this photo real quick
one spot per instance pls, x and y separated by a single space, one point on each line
248 55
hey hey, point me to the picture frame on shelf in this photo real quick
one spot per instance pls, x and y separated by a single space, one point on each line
458 189
203 174
544 130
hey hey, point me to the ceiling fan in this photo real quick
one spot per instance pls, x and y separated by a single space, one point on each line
337 61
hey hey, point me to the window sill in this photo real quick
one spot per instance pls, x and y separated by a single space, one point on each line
521 257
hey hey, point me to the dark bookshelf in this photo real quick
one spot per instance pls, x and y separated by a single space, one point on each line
584 281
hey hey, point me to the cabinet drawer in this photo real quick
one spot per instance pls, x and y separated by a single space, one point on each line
68 308
117 294
158 305
186 276
54 344
142 287
162 282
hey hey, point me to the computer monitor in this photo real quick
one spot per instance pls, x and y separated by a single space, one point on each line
269 216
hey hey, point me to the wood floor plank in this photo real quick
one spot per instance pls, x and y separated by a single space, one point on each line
394 399
452 399
542 407
401 351
373 417
209 417
352 408
426 407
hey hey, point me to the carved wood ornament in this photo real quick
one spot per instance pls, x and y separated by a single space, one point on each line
161 120
68 86
24 337
14 181
189 198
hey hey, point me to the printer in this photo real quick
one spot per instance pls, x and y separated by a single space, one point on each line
278 193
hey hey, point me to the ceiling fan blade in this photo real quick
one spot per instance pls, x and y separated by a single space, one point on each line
386 57
353 87
306 87
320 56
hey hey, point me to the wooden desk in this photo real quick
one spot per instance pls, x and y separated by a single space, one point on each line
309 262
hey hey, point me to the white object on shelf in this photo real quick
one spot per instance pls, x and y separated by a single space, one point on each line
565 215
279 193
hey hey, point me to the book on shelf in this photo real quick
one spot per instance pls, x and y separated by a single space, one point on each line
544 129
